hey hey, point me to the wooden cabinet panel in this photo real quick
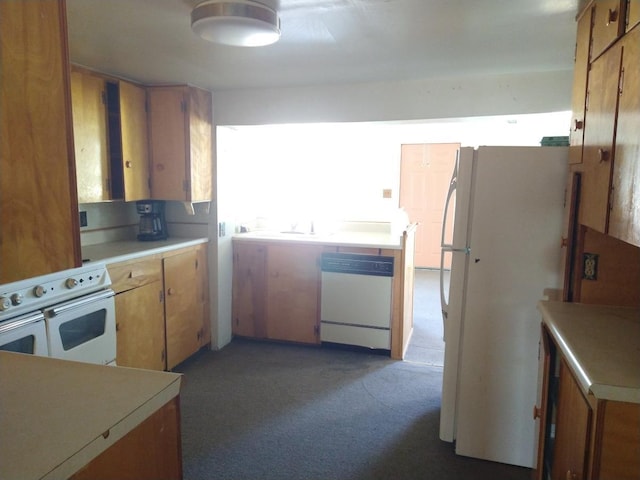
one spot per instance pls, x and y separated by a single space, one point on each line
624 220
293 292
202 293
135 146
572 430
249 289
88 97
580 81
598 140
39 215
140 327
633 14
128 275
180 126
151 451
620 440
608 24
183 314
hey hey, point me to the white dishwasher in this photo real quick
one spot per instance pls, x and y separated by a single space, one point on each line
355 306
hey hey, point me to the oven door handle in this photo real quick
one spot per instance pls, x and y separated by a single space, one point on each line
80 302
27 320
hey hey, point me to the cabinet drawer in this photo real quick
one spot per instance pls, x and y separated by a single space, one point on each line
126 276
608 24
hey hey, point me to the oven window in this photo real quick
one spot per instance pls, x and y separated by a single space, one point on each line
22 345
82 329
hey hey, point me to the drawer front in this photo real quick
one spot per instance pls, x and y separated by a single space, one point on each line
126 276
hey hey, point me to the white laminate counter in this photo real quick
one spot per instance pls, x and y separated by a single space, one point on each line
56 415
113 252
601 345
350 239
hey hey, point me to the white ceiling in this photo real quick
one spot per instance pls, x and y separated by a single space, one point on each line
327 41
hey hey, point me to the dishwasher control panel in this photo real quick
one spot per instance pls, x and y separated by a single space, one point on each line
357 263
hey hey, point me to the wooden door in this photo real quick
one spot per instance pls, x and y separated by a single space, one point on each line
425 172
140 327
168 142
88 97
572 430
249 289
135 145
293 292
598 139
39 207
202 272
183 314
624 220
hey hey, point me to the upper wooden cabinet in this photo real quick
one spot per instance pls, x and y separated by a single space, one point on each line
110 135
180 129
608 24
633 14
39 230
88 97
580 78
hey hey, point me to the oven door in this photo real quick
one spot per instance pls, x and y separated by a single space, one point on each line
25 334
83 329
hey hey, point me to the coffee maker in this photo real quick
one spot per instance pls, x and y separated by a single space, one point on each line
153 225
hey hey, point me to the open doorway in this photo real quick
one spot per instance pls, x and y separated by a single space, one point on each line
425 172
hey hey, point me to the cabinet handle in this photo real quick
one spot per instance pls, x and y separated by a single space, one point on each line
577 124
170 291
117 327
603 155
128 164
536 412
571 476
612 17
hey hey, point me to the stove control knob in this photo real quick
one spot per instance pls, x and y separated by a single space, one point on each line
71 283
39 291
5 303
16 299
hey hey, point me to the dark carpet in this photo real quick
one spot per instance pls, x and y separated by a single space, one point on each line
258 410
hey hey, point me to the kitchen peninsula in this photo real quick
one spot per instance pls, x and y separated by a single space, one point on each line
63 419
277 281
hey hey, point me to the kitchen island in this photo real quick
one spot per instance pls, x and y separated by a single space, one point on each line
61 419
277 281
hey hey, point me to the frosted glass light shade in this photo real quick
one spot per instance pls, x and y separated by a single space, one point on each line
240 23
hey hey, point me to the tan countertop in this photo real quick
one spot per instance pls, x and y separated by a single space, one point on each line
601 345
55 414
121 251
351 239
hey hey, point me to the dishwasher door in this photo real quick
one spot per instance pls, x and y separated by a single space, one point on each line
355 309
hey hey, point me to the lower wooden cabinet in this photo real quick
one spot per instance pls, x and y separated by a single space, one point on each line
162 308
276 291
582 437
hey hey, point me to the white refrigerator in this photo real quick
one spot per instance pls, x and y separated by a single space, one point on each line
505 251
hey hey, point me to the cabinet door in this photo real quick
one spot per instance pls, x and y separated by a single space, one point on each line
540 410
200 158
183 314
90 136
140 327
39 214
202 271
598 139
168 142
624 221
572 430
293 292
249 289
608 24
633 14
135 150
580 78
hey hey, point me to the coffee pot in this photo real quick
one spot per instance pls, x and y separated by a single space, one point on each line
153 225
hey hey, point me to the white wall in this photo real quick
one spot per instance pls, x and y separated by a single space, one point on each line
533 92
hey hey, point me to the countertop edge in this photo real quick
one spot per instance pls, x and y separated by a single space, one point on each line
320 240
143 249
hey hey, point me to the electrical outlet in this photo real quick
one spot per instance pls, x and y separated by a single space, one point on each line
222 229
83 219
386 193
589 266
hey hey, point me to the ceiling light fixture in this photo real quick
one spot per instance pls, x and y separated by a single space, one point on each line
242 23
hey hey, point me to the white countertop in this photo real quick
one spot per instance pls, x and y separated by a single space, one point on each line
53 413
352 239
121 251
601 345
